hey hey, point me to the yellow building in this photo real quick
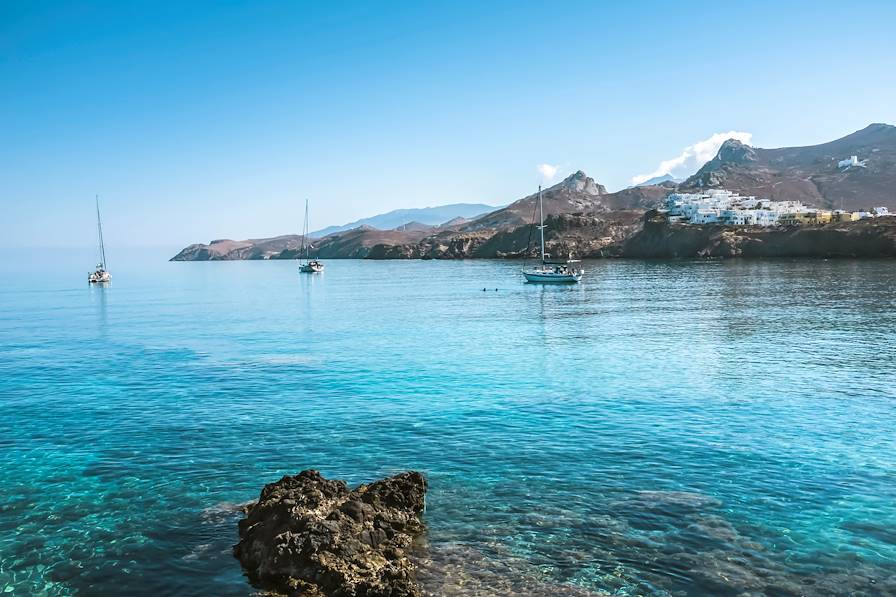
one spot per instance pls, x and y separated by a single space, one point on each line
805 218
823 216
842 216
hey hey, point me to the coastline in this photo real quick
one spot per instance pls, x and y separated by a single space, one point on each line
651 236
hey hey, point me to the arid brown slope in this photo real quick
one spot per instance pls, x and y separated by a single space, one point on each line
229 250
582 218
810 174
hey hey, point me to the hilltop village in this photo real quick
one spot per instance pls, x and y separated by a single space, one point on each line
719 206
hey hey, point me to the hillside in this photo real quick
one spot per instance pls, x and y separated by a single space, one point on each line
357 243
576 193
810 174
587 220
582 217
229 250
576 199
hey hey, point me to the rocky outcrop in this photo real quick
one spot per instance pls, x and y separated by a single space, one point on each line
310 536
231 250
579 235
577 193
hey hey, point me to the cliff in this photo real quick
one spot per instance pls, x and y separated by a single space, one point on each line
660 239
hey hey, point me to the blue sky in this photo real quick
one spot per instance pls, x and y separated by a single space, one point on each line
201 120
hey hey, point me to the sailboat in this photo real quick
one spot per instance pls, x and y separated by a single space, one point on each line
307 265
551 272
101 274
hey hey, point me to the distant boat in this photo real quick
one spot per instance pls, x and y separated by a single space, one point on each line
101 275
307 265
551 272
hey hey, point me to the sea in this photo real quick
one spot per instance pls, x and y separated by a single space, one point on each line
668 428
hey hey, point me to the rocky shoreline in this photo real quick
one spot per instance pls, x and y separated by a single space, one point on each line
658 238
625 234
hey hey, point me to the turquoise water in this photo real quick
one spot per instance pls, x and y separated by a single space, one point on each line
664 428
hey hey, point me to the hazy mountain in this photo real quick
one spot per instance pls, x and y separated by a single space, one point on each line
430 216
417 227
656 180
811 174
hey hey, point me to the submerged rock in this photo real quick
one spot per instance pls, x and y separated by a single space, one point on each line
307 535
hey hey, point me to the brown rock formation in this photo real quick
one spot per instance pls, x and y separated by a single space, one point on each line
311 536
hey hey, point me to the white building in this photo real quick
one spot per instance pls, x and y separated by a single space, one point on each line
733 217
765 217
718 206
852 162
704 216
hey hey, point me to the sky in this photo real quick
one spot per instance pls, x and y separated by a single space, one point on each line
202 120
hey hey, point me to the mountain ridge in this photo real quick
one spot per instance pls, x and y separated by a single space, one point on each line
431 216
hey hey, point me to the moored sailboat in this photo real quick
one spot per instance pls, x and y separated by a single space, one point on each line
551 272
306 264
100 275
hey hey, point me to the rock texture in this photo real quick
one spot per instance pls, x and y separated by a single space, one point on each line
233 250
311 536
863 238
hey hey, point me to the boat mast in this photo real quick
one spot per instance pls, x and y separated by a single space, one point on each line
304 250
99 232
541 220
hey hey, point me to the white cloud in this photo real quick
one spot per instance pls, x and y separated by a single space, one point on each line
694 156
548 171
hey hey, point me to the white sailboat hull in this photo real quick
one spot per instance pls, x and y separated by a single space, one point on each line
551 277
313 267
99 277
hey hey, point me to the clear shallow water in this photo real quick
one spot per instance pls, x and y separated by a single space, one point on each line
663 428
